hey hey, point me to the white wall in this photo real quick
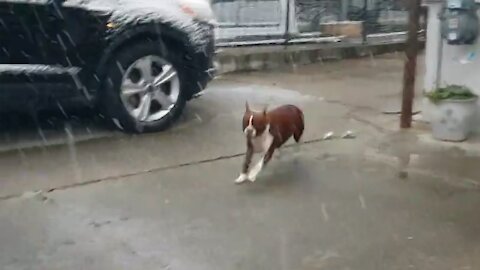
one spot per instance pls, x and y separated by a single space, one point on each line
453 66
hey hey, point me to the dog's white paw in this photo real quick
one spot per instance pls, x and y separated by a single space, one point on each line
242 178
252 176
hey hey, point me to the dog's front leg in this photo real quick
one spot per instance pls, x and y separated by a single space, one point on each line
268 156
246 165
252 176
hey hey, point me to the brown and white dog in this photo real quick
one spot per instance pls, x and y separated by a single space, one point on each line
267 131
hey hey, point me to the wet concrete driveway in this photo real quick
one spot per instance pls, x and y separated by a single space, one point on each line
383 200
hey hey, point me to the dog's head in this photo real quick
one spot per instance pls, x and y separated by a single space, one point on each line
254 123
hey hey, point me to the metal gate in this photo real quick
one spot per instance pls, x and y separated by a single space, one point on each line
248 22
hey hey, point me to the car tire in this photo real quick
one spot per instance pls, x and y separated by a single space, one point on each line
114 101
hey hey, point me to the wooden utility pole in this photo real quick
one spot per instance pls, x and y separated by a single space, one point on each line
410 69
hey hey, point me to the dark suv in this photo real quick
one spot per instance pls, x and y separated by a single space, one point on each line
137 61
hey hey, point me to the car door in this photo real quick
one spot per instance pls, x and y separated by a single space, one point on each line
17 34
60 33
42 32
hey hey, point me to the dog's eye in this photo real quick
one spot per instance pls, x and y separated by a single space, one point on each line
258 124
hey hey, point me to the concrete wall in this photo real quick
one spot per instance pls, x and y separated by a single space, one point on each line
277 57
447 64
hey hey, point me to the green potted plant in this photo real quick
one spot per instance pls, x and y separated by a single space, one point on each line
453 112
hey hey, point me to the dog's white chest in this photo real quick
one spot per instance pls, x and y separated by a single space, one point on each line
262 143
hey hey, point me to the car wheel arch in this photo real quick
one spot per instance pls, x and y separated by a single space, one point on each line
172 38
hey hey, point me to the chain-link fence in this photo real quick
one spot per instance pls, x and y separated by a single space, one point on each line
284 21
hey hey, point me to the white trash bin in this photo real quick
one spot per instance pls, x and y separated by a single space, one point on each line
453 120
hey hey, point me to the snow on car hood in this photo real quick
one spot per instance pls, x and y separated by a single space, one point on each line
131 12
128 12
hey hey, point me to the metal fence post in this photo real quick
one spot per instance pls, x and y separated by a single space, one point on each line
344 7
364 21
287 22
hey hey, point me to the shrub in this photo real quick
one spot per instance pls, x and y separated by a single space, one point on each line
451 92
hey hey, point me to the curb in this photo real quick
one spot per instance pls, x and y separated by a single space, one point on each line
274 57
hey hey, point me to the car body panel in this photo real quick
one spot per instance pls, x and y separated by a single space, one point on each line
84 35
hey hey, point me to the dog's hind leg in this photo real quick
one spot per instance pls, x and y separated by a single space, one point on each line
297 135
299 126
298 130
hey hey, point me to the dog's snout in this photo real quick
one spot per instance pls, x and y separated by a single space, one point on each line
249 131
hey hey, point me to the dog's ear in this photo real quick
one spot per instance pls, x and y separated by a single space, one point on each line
265 109
247 107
